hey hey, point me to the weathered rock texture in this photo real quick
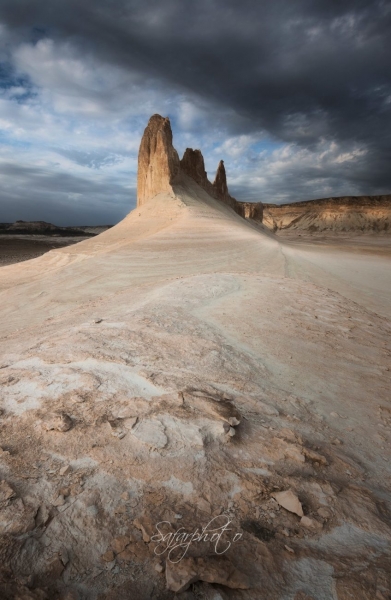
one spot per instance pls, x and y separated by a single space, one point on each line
157 339
193 165
344 214
180 576
220 183
252 210
159 165
158 161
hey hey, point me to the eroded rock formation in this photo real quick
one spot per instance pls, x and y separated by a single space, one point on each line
159 165
220 183
343 214
185 373
193 165
158 161
252 210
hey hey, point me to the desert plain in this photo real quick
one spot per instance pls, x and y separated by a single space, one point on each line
193 366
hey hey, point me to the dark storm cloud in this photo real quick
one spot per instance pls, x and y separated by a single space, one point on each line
297 67
30 191
303 71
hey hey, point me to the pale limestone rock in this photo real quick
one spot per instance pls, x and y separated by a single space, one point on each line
135 551
151 432
145 525
310 523
59 501
289 435
221 409
6 492
158 161
58 422
267 409
115 428
65 470
295 453
204 505
130 422
179 576
315 456
119 543
323 512
78 398
15 517
108 556
289 501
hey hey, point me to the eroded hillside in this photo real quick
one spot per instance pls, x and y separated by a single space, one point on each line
362 214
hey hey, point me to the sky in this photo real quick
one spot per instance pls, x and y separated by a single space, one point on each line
294 96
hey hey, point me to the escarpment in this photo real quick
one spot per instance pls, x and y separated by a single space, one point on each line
361 214
159 166
252 210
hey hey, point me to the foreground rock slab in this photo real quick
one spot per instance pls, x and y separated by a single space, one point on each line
289 501
210 327
179 576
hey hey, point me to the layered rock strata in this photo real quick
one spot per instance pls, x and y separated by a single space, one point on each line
365 214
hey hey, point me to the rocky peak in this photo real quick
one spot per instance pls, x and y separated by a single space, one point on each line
158 161
159 165
220 182
193 165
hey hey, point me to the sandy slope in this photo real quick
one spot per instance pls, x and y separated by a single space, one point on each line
166 238
195 299
17 248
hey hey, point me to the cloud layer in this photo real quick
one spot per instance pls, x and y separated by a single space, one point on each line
294 95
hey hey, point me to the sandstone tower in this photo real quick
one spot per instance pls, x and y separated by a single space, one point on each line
158 161
159 167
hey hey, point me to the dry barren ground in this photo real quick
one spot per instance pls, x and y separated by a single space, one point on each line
187 365
18 248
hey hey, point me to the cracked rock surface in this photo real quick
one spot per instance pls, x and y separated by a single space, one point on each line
116 436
